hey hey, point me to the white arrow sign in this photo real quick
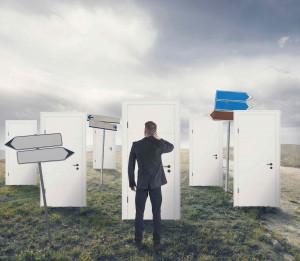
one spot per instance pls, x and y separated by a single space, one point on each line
102 125
43 155
103 118
35 141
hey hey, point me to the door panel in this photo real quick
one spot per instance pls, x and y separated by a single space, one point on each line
15 173
205 143
256 145
65 184
109 149
164 115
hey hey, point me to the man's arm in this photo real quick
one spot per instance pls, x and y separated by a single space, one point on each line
131 167
168 147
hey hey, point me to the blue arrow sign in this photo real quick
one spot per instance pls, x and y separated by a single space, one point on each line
231 106
232 96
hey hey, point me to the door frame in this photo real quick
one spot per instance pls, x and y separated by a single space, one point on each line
125 182
236 127
84 163
191 167
7 150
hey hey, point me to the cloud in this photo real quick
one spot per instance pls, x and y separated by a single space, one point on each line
282 41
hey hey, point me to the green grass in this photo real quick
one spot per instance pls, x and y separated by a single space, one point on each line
210 228
290 155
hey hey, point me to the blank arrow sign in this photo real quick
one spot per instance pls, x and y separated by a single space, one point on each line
43 155
232 96
35 141
231 106
102 125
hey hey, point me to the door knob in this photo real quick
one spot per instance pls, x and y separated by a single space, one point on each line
167 166
169 170
270 164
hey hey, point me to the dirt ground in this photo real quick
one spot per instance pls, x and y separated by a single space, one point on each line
285 221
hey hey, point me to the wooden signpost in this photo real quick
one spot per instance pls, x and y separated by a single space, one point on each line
104 123
225 103
38 149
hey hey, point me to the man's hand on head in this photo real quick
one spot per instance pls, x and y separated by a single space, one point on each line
133 188
155 135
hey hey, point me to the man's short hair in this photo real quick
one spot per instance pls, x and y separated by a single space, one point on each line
150 127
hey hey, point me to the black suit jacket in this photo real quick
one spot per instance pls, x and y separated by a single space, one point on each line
147 152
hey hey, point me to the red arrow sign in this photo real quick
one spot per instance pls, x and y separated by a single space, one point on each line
222 115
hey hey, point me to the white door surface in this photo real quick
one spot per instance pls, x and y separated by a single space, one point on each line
166 115
257 158
109 149
206 152
65 181
19 174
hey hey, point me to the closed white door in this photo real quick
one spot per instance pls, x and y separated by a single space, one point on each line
65 181
257 158
15 173
109 149
166 116
206 152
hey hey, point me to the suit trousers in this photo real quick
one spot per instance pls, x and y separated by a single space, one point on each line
140 201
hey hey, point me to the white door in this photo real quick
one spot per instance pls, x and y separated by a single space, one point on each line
257 158
109 149
166 115
18 174
206 152
65 181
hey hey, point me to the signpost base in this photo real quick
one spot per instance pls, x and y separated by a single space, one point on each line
45 202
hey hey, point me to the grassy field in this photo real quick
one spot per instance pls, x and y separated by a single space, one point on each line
210 228
290 155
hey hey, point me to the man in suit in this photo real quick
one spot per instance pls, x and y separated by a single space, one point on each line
151 176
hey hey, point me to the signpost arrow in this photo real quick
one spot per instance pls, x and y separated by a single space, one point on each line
233 96
222 115
37 155
231 106
107 119
43 155
102 125
35 141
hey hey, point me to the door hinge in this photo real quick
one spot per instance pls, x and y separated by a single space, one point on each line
44 131
192 174
8 134
238 190
127 199
192 131
127 124
8 173
238 130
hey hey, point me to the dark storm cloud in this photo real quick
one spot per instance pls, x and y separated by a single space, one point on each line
201 31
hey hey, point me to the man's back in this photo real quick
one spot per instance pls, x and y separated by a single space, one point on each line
148 153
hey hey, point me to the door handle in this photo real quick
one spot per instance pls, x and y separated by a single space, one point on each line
270 164
77 165
110 148
216 156
168 166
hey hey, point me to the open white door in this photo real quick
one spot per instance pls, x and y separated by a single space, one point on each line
257 158
166 115
109 149
206 152
65 181
19 174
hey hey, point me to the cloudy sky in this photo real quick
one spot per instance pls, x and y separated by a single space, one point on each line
91 55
